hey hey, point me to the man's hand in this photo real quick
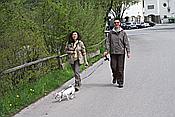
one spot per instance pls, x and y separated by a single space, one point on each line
128 55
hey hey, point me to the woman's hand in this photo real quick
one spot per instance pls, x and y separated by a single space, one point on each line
86 64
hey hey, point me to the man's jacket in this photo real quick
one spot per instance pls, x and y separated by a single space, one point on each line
117 42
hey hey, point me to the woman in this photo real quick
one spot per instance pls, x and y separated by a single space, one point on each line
76 56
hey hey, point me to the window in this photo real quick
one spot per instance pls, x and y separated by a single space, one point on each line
165 16
150 6
164 4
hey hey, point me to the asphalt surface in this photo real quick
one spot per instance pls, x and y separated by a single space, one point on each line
148 90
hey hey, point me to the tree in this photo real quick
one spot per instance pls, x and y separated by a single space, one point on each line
33 29
119 6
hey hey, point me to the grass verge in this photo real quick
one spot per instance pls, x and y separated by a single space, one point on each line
27 93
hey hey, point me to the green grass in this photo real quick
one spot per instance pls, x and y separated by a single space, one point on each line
27 93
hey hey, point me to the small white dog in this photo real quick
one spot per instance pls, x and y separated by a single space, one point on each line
68 93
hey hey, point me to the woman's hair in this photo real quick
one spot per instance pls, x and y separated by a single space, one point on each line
70 39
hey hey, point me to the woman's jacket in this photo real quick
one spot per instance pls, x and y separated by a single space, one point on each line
76 51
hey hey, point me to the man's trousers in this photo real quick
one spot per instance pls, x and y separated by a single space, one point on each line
117 66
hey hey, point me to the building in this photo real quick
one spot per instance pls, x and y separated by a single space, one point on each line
134 13
159 11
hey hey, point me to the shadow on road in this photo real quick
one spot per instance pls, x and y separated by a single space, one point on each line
98 85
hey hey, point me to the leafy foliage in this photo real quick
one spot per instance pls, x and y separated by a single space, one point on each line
33 29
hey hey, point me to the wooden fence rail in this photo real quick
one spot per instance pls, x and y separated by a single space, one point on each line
27 64
32 71
60 59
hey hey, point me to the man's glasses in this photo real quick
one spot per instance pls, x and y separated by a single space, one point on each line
116 22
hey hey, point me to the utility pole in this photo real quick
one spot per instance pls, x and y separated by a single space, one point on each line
168 8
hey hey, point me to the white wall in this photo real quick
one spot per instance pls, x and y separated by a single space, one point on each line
150 11
164 10
159 9
134 10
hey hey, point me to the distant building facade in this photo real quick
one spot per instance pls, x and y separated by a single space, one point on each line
134 13
158 11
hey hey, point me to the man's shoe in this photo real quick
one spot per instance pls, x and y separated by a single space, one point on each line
120 86
114 80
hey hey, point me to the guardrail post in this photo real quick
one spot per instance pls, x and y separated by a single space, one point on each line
60 62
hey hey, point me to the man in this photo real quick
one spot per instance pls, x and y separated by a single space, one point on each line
117 44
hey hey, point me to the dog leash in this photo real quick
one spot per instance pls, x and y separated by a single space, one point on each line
106 59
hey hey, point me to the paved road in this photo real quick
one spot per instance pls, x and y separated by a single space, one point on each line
148 90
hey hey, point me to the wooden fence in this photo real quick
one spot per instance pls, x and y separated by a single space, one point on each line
29 72
60 60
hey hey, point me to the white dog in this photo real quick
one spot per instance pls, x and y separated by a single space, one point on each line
68 93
